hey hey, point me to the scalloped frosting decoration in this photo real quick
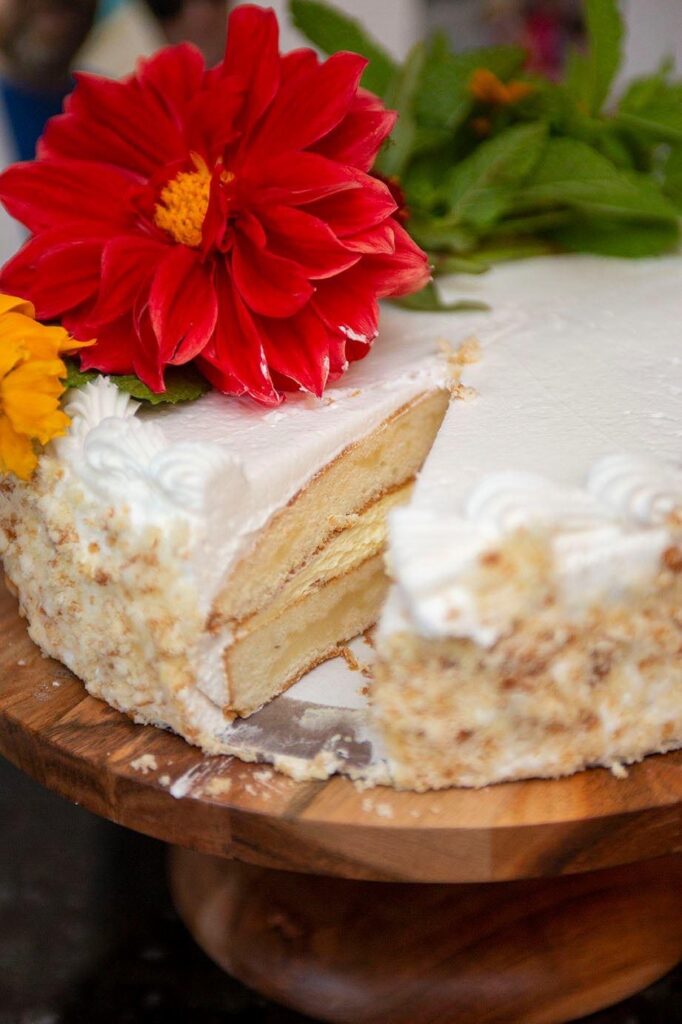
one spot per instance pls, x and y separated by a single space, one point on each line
117 453
602 540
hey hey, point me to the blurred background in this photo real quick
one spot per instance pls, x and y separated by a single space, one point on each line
546 27
43 41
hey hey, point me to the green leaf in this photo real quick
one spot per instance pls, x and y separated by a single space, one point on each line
331 31
660 119
443 100
641 91
428 300
618 238
437 234
672 183
395 155
77 378
502 249
183 384
480 189
573 174
590 77
454 264
534 223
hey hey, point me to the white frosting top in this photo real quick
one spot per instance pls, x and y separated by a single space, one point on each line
576 431
226 465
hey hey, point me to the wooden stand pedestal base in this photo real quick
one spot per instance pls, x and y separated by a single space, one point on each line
530 952
446 929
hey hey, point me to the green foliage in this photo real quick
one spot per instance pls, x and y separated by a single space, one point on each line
573 174
428 300
400 94
607 238
183 384
564 167
442 99
480 189
332 31
672 181
590 76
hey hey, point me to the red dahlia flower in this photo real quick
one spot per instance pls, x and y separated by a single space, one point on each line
223 216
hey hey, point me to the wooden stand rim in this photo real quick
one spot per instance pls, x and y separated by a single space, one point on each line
156 783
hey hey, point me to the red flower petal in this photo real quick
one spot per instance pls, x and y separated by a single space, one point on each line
268 284
306 241
115 348
148 363
358 138
298 350
294 182
406 271
348 305
18 274
234 360
252 55
297 64
51 193
182 305
128 264
212 118
308 107
175 74
355 210
380 239
66 278
252 227
133 129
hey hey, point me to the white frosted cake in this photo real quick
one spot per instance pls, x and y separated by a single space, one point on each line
536 622
189 564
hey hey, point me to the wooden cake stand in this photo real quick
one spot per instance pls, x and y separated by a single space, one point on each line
548 900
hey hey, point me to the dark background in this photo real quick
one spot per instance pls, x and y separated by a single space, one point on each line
88 934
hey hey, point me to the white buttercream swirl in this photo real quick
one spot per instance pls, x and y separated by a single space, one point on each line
118 455
636 488
603 540
97 401
511 500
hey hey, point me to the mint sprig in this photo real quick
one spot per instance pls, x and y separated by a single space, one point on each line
183 384
561 167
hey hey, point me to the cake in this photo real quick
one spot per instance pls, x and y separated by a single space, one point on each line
535 625
190 563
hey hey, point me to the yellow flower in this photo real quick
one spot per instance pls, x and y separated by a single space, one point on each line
486 87
31 385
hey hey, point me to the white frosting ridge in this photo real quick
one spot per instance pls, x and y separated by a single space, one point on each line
119 456
637 488
576 434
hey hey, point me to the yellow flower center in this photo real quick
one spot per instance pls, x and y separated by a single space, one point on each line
183 204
